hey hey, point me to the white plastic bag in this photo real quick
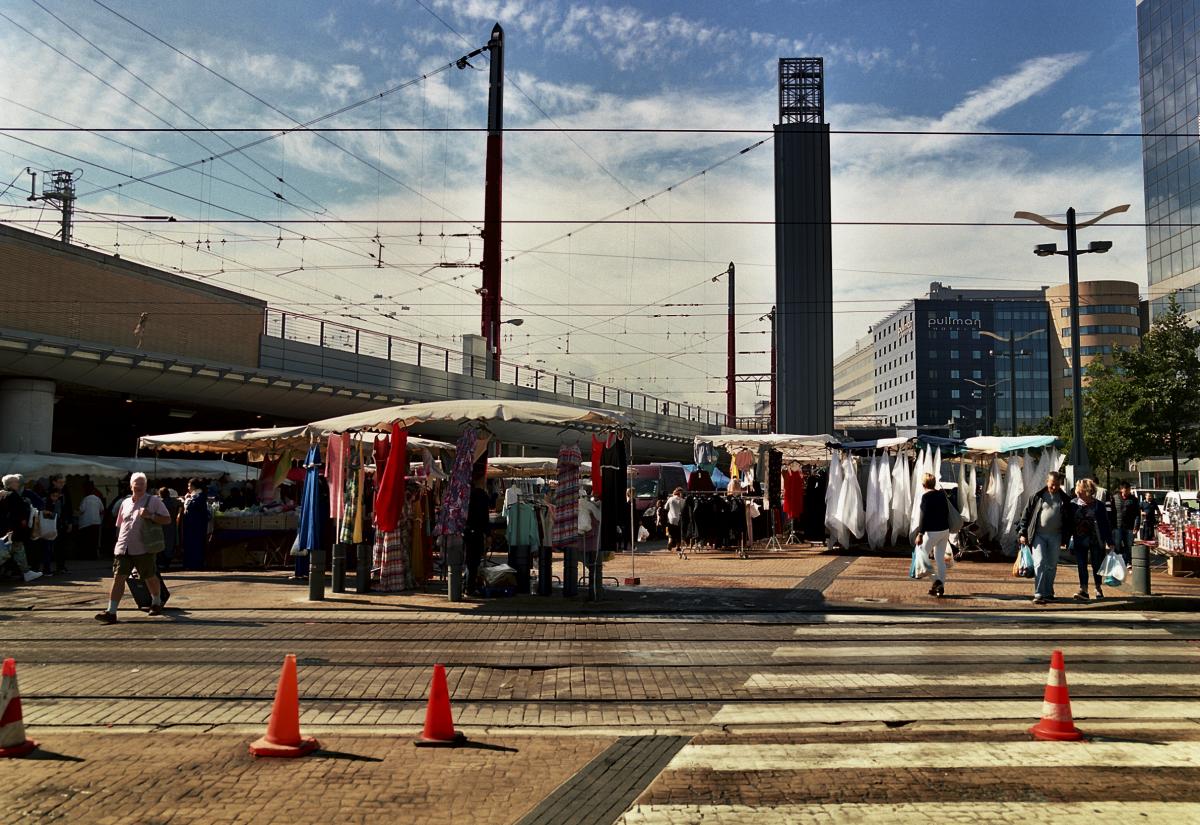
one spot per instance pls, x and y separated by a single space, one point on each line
643 533
47 527
1113 569
919 569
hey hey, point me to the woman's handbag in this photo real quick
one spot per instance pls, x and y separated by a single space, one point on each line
153 538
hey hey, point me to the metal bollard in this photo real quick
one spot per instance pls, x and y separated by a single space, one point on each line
454 567
545 585
1141 570
570 577
518 559
316 575
362 568
339 567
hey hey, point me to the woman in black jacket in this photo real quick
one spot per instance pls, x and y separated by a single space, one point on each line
934 529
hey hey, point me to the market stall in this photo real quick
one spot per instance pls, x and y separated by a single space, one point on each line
475 423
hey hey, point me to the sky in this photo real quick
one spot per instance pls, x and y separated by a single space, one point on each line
300 218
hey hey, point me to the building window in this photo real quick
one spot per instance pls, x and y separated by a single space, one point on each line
954 374
976 354
977 373
954 353
954 394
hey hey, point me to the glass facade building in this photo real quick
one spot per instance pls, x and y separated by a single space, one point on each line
938 371
1169 69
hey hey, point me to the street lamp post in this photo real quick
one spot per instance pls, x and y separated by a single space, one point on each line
493 345
988 386
1012 353
1079 456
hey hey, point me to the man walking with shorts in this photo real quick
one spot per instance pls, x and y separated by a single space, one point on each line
130 552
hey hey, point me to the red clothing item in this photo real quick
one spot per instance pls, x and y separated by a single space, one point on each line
793 493
389 496
597 460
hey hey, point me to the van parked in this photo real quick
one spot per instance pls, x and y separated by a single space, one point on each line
652 482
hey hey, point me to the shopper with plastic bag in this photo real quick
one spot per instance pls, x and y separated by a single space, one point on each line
1113 569
1048 522
1090 538
933 530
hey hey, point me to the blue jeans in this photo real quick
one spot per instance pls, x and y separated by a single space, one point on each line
1045 565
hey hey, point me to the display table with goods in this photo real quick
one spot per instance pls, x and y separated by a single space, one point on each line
250 538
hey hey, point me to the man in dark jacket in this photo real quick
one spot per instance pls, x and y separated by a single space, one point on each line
1046 526
1126 518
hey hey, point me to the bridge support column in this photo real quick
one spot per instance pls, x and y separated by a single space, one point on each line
26 415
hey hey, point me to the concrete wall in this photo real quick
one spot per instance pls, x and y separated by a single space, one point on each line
74 293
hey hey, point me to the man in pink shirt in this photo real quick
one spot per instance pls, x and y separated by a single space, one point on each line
130 552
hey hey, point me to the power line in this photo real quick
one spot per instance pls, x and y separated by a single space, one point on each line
590 130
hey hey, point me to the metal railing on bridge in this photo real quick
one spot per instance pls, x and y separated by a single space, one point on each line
290 326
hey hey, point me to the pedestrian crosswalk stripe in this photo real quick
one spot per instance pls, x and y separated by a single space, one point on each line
932 651
922 813
1032 679
985 617
927 710
1014 630
942 755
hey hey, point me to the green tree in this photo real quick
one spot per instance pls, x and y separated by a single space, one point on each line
1114 418
1162 378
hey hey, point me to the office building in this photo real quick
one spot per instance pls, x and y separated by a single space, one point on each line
1109 317
942 363
854 379
1168 45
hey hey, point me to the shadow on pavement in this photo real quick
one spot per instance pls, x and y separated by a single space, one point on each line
348 757
51 756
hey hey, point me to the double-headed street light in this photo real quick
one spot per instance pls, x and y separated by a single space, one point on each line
1012 355
990 385
1079 456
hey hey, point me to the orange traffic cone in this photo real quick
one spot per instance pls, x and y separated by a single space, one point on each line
439 726
12 723
283 731
1057 724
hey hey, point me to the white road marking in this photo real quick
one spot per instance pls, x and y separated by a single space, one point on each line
817 633
950 617
931 653
886 755
799 713
871 679
925 813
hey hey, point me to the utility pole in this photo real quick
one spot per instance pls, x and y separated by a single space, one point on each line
58 187
731 367
1012 379
774 414
492 202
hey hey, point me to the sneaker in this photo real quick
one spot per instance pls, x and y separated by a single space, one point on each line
939 589
1081 596
933 589
32 575
1099 594
155 610
104 617
1038 600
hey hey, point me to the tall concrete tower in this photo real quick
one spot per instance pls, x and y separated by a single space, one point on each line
803 264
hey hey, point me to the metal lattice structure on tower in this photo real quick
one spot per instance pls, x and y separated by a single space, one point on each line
801 90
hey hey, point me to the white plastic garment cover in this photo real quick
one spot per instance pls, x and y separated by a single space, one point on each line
901 499
1029 479
1013 497
914 513
964 499
1039 474
852 504
972 486
993 501
878 500
883 511
937 464
833 492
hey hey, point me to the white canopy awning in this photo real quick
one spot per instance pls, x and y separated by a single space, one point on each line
36 465
519 467
793 447
992 445
259 440
519 422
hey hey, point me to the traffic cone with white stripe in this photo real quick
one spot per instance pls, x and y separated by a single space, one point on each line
12 724
1057 724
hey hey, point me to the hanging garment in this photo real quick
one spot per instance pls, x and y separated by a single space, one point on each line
901 501
522 526
391 559
418 569
1029 484
389 495
964 505
885 493
700 482
972 494
705 454
793 493
311 517
566 496
814 504
854 517
1013 496
336 455
350 508
614 507
265 489
743 461
379 451
916 491
993 500
876 510
452 517
833 493
598 445
937 465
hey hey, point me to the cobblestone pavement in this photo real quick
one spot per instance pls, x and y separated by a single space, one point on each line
795 708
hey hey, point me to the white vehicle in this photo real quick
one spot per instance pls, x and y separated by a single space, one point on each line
1186 500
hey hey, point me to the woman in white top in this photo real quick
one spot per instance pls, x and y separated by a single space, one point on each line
675 520
91 516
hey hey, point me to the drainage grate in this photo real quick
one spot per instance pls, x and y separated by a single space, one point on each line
607 785
812 586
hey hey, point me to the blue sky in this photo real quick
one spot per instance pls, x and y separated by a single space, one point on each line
593 304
